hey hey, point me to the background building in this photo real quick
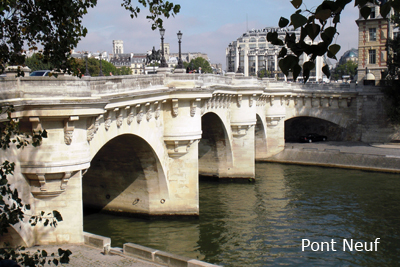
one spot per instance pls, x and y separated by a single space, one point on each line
257 54
372 36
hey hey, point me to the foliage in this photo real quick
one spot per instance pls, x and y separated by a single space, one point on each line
157 9
263 73
36 62
94 67
197 63
12 210
317 24
37 258
348 68
392 92
54 28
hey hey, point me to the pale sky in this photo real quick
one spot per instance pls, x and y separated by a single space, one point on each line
208 26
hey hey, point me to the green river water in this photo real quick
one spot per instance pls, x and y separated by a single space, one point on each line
265 223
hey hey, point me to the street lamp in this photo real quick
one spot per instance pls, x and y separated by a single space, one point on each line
101 67
239 68
163 64
230 69
180 63
86 59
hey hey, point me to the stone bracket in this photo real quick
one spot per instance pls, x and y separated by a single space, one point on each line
149 110
139 113
36 124
175 106
107 122
69 129
274 120
93 128
178 148
239 100
240 129
119 117
193 106
52 186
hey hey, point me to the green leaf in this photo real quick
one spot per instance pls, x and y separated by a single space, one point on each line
296 71
385 9
365 12
296 3
298 20
323 14
333 49
283 52
312 30
57 215
283 22
326 71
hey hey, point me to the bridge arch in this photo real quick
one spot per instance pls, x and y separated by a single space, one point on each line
125 176
215 147
297 126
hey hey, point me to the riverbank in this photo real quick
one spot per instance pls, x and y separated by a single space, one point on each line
352 155
96 251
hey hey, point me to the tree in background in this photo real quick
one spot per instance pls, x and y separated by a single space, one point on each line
197 63
348 68
35 62
54 28
317 24
392 91
94 67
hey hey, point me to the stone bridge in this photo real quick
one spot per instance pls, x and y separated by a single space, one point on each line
137 144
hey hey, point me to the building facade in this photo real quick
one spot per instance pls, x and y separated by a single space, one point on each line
253 53
372 36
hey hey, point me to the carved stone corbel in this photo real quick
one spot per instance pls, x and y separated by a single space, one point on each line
139 113
305 100
213 101
274 119
348 101
251 99
178 148
91 131
321 100
157 113
149 110
64 180
36 125
239 100
271 100
240 130
296 100
330 101
119 117
175 107
193 106
107 122
130 117
69 129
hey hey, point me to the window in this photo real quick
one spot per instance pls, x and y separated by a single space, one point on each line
372 56
372 14
372 34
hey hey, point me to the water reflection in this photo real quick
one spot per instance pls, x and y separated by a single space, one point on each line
263 224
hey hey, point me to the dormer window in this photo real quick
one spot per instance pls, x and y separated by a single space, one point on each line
372 34
372 14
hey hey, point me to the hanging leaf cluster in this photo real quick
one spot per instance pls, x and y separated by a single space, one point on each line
157 8
319 26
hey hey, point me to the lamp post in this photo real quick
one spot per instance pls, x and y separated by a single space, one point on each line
230 69
180 63
163 64
239 68
86 59
101 67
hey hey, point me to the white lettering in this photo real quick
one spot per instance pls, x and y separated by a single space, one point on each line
345 243
302 244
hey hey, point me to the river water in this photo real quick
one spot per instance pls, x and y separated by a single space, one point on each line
265 223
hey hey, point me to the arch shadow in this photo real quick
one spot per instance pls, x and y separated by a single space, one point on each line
215 151
124 176
297 126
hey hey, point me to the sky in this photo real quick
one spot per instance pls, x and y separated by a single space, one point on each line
208 26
